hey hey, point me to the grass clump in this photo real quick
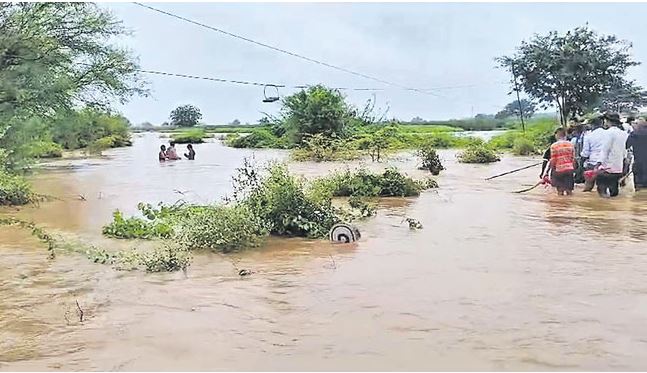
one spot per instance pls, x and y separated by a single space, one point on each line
478 154
192 136
14 190
134 227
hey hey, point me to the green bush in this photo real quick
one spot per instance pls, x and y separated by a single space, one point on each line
361 183
81 129
133 227
430 159
219 228
478 154
319 148
281 202
258 138
523 146
192 136
44 149
14 190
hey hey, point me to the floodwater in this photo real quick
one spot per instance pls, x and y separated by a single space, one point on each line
494 281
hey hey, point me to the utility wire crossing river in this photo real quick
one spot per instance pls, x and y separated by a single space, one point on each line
495 280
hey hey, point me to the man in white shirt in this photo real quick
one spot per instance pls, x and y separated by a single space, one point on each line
592 149
613 156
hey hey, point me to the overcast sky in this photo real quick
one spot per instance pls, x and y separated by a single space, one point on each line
417 45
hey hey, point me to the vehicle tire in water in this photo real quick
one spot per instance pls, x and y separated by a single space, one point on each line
344 233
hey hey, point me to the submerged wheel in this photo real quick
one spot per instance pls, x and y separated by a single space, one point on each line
344 233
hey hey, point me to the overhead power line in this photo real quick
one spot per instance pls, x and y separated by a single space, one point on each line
277 85
284 51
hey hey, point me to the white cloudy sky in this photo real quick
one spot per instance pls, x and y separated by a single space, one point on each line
422 45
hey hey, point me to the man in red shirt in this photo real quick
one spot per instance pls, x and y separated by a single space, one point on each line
562 164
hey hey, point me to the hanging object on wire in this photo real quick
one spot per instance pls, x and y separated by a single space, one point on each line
271 98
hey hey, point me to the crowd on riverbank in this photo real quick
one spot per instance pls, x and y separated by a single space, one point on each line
601 152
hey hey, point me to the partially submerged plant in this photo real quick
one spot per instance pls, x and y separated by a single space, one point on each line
478 154
430 159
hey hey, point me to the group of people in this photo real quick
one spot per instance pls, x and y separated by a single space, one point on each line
600 153
170 154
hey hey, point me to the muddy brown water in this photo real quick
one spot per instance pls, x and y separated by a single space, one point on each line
495 280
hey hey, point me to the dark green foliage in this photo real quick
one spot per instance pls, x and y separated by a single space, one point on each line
569 70
258 138
14 190
166 259
185 116
44 149
133 227
364 205
319 148
316 110
218 228
478 154
281 202
430 159
361 183
538 134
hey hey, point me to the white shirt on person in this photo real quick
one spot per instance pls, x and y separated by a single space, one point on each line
614 152
593 145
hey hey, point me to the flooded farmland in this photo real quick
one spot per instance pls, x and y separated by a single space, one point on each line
494 281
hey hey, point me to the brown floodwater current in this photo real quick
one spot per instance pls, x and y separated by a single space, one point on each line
495 280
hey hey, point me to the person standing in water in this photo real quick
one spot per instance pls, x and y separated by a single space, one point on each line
562 161
612 159
162 154
171 154
191 154
638 142
592 150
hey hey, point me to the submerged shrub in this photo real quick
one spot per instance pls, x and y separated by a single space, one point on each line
391 183
14 190
478 154
319 148
430 159
219 228
166 259
281 202
134 227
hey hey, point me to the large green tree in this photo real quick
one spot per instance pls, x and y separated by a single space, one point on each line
317 110
626 96
571 70
185 116
55 57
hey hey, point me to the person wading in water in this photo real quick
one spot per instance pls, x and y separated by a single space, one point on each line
592 150
613 157
162 154
638 142
562 164
171 154
191 154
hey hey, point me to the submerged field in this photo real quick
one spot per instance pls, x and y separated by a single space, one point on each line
494 280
